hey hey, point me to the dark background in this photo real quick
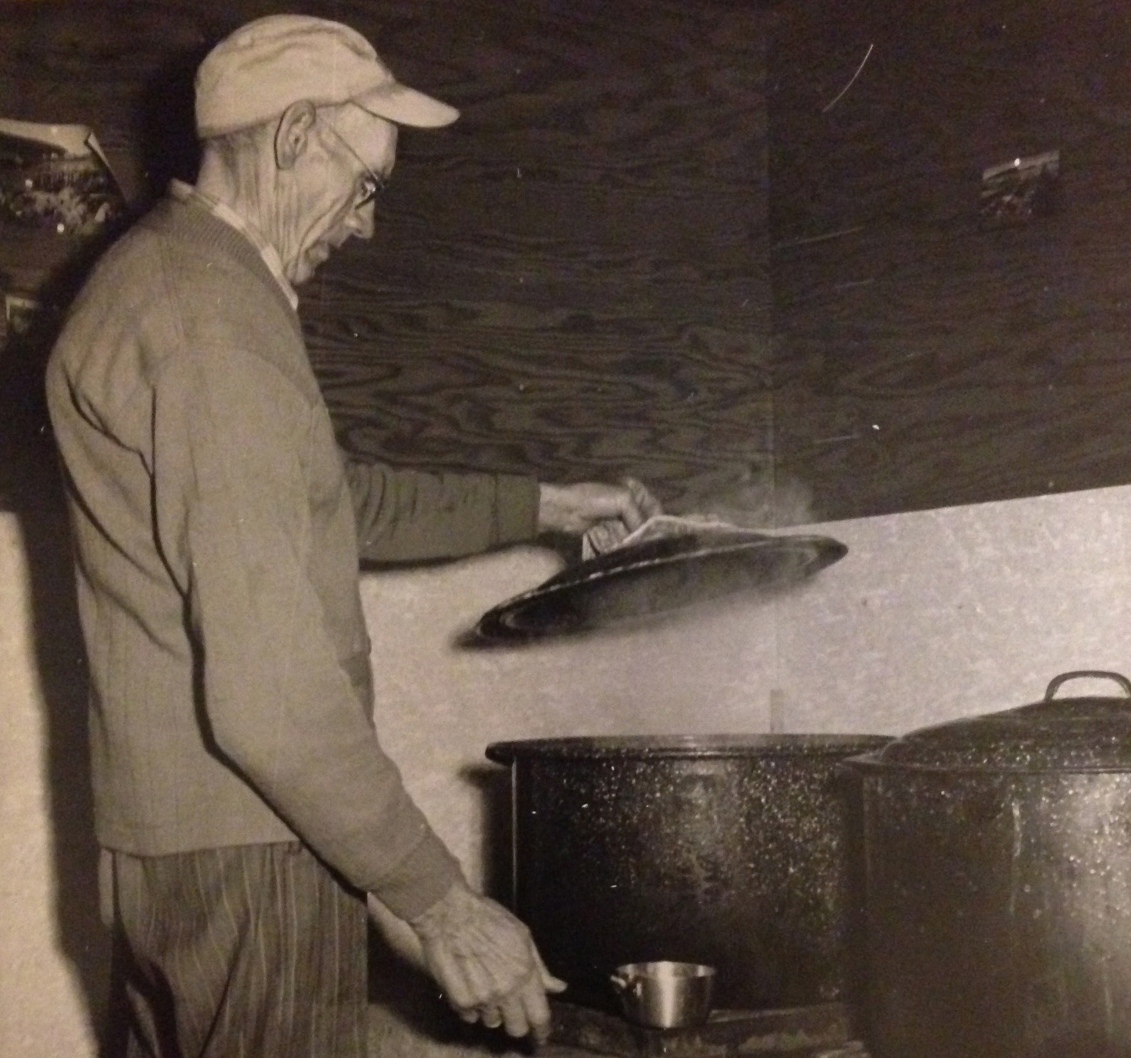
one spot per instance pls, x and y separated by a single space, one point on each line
660 241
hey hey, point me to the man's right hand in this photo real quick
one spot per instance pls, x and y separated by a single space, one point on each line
486 964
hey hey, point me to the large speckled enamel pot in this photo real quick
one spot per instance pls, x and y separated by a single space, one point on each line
734 851
998 879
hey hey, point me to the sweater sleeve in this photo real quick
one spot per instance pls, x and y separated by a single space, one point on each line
406 515
230 443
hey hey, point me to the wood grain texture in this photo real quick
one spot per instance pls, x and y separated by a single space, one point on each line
576 279
921 361
571 281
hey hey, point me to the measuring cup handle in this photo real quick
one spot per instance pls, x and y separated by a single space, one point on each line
634 987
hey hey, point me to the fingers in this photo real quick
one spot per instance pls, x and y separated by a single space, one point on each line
632 509
645 505
492 1017
603 536
446 970
576 508
486 963
486 985
549 982
523 1011
527 1010
514 1019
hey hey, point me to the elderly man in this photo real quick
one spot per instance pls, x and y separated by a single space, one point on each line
243 802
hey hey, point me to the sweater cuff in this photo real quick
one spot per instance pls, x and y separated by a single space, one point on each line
516 508
420 879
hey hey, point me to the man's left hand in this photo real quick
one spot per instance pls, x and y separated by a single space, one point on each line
577 508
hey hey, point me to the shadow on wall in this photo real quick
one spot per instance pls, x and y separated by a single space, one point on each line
31 488
492 791
36 498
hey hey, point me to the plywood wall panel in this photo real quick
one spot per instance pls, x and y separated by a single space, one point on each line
571 281
923 361
601 292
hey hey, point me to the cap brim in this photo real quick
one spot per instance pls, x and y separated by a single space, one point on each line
406 106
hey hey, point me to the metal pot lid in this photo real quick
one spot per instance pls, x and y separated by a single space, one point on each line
656 577
1088 734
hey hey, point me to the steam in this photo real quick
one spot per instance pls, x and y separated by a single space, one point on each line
754 498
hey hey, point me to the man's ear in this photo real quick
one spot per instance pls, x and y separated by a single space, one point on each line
292 133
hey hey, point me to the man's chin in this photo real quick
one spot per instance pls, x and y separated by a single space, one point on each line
309 263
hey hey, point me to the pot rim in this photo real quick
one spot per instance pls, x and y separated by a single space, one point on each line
673 747
874 762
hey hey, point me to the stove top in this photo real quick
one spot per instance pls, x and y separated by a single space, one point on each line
820 1031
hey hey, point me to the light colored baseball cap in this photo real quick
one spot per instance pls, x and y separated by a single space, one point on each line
263 67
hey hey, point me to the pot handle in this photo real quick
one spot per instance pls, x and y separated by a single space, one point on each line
633 986
1064 677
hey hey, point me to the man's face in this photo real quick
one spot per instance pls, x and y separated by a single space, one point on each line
345 149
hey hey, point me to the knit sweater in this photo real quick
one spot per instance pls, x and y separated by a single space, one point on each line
218 530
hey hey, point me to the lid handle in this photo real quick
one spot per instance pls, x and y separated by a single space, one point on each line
1064 677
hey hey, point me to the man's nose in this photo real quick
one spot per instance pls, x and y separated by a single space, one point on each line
361 221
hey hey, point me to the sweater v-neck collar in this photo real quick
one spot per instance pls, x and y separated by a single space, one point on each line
184 192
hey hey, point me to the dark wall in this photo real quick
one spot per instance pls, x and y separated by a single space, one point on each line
922 358
575 279
570 281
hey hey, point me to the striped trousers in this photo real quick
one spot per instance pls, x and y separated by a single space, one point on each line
246 952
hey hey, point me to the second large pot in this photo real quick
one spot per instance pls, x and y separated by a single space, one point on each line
735 851
998 863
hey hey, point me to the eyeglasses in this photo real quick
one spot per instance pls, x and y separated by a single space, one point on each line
370 183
